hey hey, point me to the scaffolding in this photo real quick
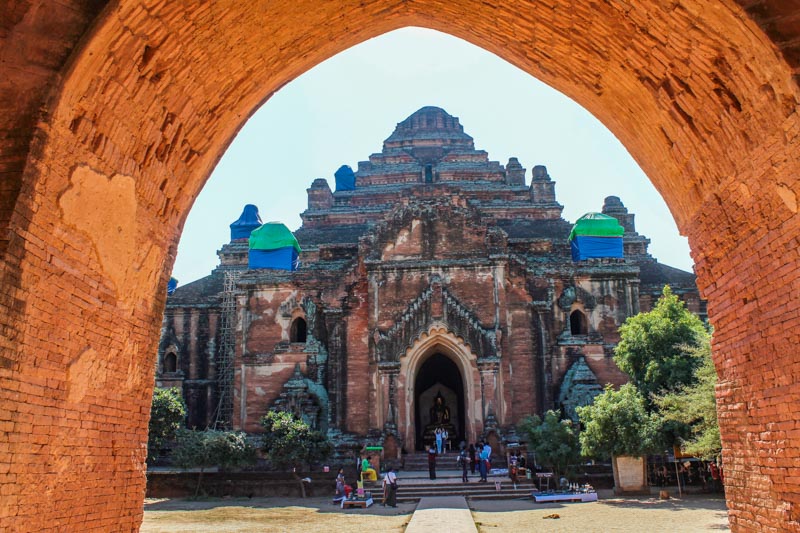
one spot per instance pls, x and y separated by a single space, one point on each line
227 350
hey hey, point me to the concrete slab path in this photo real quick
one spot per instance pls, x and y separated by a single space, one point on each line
442 514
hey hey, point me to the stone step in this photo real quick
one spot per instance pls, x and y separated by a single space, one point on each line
488 494
416 485
419 461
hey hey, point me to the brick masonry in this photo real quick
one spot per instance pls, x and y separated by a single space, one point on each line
95 100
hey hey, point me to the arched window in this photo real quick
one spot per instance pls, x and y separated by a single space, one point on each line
170 363
298 331
577 323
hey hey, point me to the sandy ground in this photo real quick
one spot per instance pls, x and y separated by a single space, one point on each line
310 515
651 515
317 515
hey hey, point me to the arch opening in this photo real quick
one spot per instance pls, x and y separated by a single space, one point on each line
298 331
170 363
696 141
439 400
577 323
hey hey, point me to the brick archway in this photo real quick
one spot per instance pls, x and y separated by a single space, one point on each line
104 153
439 340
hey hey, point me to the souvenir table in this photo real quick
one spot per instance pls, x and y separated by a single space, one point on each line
569 496
363 504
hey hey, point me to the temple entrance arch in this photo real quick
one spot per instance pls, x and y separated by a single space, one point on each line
703 99
438 400
439 363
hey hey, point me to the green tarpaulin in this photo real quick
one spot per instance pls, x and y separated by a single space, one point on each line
596 225
271 236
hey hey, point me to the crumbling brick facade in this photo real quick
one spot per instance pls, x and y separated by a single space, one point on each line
135 102
465 288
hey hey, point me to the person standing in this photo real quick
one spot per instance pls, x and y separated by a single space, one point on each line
438 435
512 469
714 470
463 459
340 494
432 462
488 450
445 440
472 462
483 459
390 488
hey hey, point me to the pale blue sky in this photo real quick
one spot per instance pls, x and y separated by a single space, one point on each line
341 111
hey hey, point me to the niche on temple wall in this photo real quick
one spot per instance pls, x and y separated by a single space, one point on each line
578 323
298 331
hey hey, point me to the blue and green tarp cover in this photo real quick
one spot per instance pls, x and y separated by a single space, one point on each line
273 246
596 235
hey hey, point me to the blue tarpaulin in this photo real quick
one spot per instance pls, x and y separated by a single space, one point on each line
279 259
585 247
345 179
247 222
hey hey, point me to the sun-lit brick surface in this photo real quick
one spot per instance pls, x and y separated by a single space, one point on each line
137 107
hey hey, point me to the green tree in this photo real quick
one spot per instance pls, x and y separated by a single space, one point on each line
653 346
695 405
554 441
290 443
617 423
209 448
167 414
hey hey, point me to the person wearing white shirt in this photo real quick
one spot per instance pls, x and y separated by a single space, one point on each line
390 487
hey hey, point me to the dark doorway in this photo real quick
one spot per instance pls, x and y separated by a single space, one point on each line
577 323
298 330
439 380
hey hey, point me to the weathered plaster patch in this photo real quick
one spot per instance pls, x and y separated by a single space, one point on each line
105 209
788 196
745 190
86 373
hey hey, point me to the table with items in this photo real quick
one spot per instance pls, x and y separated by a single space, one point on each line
362 500
575 493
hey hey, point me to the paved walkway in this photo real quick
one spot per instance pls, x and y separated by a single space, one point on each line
442 514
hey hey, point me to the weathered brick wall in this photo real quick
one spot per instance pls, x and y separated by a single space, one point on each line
92 202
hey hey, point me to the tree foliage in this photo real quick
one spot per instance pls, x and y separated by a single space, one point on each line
554 441
289 442
205 449
653 346
167 414
617 423
695 405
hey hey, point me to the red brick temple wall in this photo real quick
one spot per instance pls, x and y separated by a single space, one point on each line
112 118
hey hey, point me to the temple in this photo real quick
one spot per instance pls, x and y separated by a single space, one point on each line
433 287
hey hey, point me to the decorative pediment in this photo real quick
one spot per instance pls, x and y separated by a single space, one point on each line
418 317
579 388
305 399
431 229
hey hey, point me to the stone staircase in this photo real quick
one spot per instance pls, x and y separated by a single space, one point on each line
417 461
414 482
411 489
